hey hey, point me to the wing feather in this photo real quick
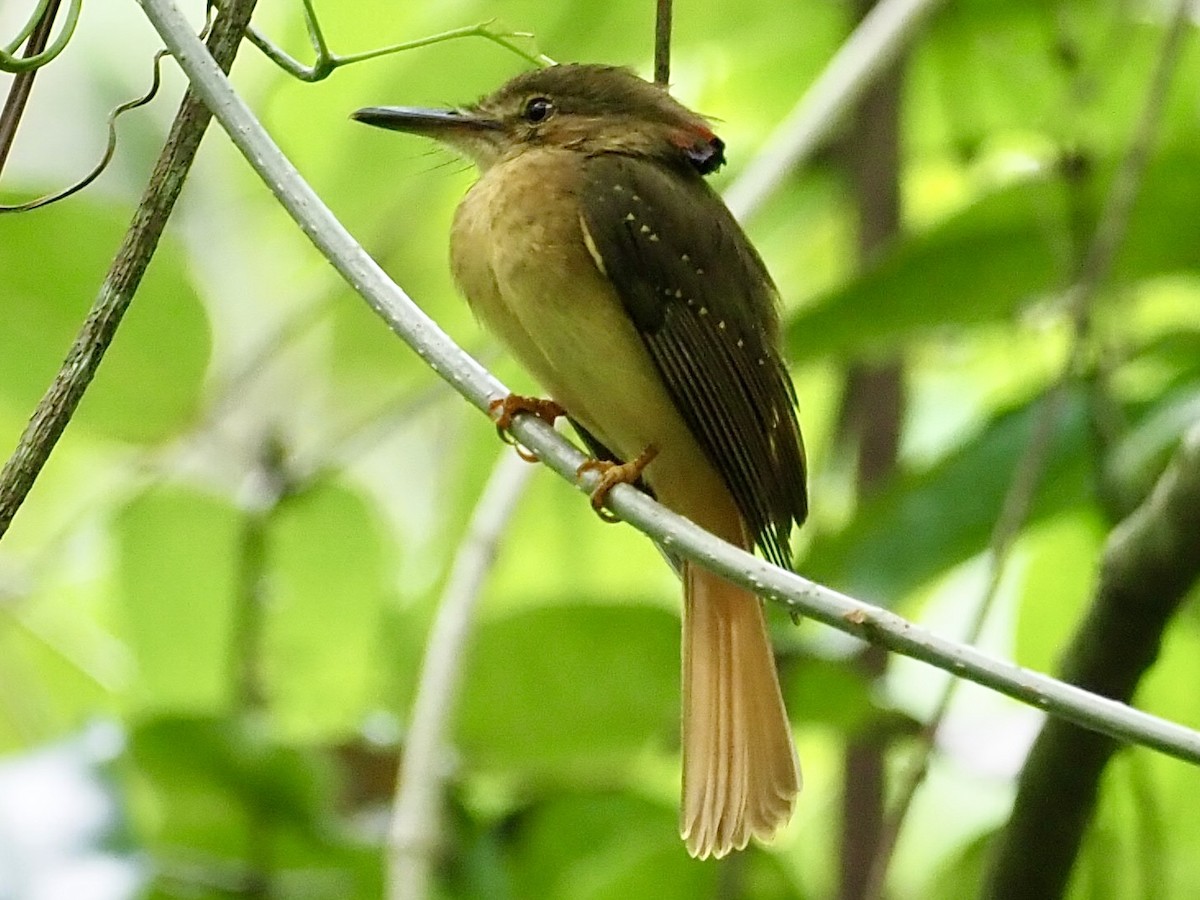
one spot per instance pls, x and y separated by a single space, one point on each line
706 308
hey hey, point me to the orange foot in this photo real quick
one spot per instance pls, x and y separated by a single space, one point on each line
503 410
612 474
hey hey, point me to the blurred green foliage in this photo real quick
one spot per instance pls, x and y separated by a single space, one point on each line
254 620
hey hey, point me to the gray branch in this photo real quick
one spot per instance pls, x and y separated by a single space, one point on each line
795 593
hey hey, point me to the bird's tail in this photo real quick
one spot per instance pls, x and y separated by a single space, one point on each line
740 772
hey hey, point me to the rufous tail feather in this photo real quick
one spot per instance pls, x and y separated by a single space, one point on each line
740 772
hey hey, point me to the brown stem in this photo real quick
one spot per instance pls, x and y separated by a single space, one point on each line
273 488
662 42
22 83
873 412
63 396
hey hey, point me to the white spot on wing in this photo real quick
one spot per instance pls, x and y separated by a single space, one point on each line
591 247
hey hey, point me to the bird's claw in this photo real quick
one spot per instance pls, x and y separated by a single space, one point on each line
503 410
612 474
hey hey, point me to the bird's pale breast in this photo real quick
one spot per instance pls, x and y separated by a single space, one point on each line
528 276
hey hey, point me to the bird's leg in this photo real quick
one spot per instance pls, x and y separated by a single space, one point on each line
612 474
503 410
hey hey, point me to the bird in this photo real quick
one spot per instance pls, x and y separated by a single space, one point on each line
593 247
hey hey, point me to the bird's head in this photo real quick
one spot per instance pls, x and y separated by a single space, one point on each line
590 109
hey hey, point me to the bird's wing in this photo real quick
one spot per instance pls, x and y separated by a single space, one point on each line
703 303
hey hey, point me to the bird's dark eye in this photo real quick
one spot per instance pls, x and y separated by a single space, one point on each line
538 110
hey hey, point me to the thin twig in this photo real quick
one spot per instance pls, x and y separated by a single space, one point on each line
1097 263
662 42
871 420
61 399
22 83
1143 574
480 387
109 149
273 484
415 832
872 46
327 62
1114 218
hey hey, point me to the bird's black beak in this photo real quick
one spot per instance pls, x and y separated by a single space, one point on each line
436 123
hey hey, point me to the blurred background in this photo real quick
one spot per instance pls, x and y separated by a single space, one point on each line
213 605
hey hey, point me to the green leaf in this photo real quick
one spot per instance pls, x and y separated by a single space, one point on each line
959 95
611 846
1112 860
577 554
604 845
50 689
178 558
327 576
208 786
986 69
978 266
53 261
1060 557
1001 252
568 684
925 522
963 875
826 692
1143 452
